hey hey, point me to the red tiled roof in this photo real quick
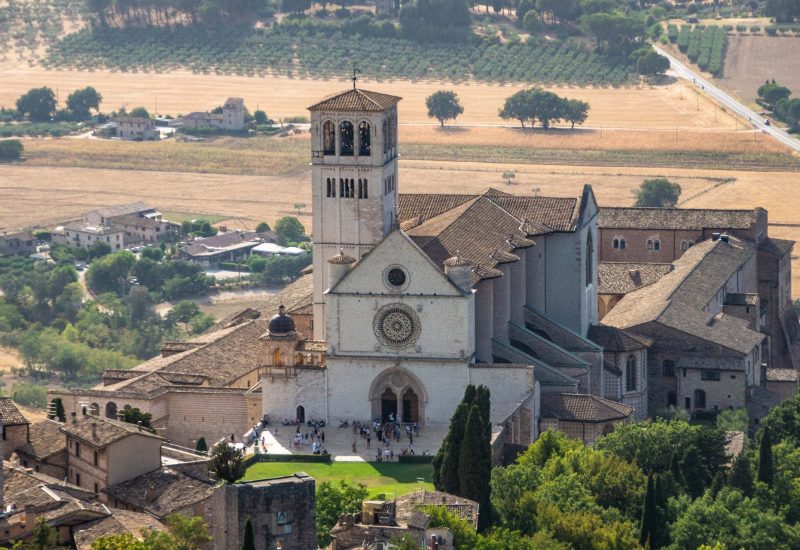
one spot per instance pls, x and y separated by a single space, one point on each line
356 100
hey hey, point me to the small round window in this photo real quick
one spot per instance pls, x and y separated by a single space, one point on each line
396 277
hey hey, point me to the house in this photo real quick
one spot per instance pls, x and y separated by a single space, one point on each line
15 426
281 511
233 246
141 223
380 522
230 119
83 235
20 243
136 128
105 452
45 450
584 417
108 214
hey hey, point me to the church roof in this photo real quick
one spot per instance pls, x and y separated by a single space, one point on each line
484 229
356 100
675 218
579 407
625 277
617 340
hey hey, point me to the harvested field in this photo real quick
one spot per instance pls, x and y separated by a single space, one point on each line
182 91
750 60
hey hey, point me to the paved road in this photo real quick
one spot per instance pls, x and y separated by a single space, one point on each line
682 71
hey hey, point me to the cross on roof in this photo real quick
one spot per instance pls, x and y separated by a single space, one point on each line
356 70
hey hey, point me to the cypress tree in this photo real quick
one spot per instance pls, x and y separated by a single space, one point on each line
717 484
661 533
469 395
475 465
766 465
249 540
675 469
741 476
449 468
649 515
483 400
437 464
694 472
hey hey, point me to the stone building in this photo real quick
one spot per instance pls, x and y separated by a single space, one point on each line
584 417
381 522
15 426
231 118
707 350
233 246
45 450
83 235
20 243
281 510
104 452
136 128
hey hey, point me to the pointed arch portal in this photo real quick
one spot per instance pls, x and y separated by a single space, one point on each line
400 393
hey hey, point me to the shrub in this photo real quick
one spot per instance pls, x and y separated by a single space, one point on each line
30 395
755 29
10 149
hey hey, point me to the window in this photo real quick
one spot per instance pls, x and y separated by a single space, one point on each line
653 244
672 399
328 138
96 458
364 147
96 489
589 259
712 375
686 245
618 243
77 449
668 367
346 138
77 479
362 188
630 373
699 399
346 188
385 137
330 186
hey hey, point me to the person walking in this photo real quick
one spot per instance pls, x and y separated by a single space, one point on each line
355 450
369 439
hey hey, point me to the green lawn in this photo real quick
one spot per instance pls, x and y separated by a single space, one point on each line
387 478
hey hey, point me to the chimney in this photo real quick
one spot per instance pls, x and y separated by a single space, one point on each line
94 430
725 238
30 517
139 425
338 266
715 236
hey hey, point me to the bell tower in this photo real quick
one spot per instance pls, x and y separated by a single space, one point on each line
354 180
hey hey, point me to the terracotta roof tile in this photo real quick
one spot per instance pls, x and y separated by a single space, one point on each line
624 277
356 100
617 340
9 413
675 218
107 431
161 492
122 521
46 439
579 407
782 375
778 247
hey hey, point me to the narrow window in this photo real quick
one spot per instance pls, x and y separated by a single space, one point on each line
668 367
622 244
364 147
331 187
630 373
351 184
589 259
385 137
615 243
342 186
346 138
328 138
96 458
656 245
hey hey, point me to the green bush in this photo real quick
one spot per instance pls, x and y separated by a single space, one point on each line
10 149
30 395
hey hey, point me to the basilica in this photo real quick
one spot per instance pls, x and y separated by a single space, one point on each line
577 318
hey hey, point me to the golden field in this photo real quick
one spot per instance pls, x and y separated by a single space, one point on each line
661 107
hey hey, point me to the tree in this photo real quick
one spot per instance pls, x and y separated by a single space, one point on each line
260 117
783 421
184 311
296 7
509 176
657 192
733 420
81 102
188 533
475 464
443 105
140 112
201 445
99 249
331 501
135 416
616 34
263 227
772 93
39 104
532 22
740 476
766 464
289 230
10 149
152 253
58 410
249 540
695 474
518 107
576 111
227 463
110 273
451 451
649 521
652 64
44 537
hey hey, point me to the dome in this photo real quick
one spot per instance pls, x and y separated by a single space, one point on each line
281 323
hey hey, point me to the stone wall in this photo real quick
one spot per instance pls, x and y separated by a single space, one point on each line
210 415
281 511
13 436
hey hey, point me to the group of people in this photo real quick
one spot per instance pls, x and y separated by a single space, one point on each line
384 433
315 437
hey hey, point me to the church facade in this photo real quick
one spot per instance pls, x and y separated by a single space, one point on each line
417 296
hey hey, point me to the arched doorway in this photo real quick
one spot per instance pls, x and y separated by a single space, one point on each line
111 410
301 414
388 405
410 406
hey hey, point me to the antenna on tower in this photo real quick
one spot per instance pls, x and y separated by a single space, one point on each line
356 70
